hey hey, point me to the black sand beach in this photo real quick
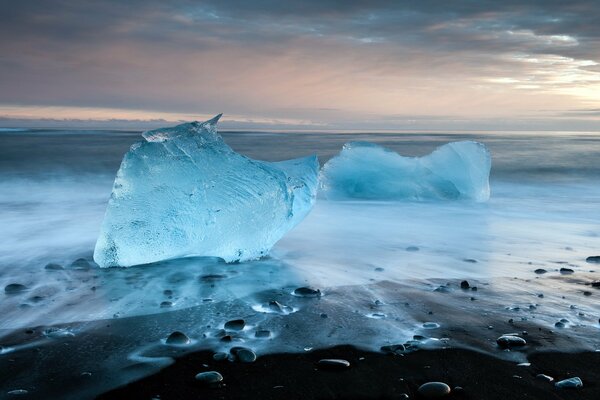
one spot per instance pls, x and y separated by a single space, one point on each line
371 376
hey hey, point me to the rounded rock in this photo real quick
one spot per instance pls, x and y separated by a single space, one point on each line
53 267
14 288
307 292
571 383
543 377
333 364
465 285
235 325
209 378
178 338
434 390
243 354
510 341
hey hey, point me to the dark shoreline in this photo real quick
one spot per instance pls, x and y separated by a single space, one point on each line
371 376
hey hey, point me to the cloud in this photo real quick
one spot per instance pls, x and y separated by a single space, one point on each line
297 59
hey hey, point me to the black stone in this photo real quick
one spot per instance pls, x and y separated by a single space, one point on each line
510 341
393 349
566 271
235 325
263 333
53 267
333 364
593 259
434 390
540 271
243 354
14 288
307 292
465 285
178 338
209 378
81 264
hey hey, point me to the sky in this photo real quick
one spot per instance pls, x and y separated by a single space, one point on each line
397 65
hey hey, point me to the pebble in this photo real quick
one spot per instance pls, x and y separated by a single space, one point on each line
412 248
434 390
465 285
17 392
53 267
81 264
596 284
307 292
263 333
587 293
393 349
544 377
166 304
235 325
525 364
571 383
333 364
14 288
243 354
323 315
510 341
540 271
470 260
566 271
220 356
209 378
178 338
379 269
593 259
559 324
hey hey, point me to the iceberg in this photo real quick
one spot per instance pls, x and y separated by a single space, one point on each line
363 170
183 192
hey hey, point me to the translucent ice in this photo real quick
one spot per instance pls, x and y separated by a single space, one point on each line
184 192
368 171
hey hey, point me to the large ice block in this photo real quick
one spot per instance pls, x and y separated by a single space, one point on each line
362 170
184 192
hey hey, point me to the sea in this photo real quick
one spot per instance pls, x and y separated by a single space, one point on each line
386 270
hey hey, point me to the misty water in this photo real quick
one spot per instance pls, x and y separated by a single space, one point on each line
385 269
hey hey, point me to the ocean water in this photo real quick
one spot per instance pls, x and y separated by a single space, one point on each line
379 265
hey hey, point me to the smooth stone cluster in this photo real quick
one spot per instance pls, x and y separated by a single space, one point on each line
510 341
178 338
571 383
434 390
333 364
